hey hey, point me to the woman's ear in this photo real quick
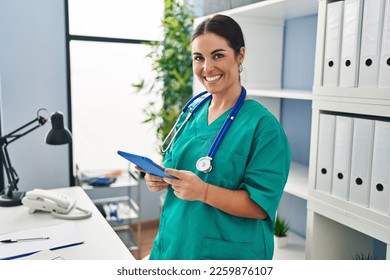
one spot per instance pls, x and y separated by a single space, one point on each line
241 55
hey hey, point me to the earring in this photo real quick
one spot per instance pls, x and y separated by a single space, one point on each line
240 68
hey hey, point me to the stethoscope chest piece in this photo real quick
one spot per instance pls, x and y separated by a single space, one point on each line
204 164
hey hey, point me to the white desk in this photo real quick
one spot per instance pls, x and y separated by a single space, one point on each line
100 240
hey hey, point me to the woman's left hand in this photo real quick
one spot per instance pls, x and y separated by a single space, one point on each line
187 185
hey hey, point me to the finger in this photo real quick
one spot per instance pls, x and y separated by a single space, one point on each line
155 184
174 172
177 194
153 178
140 169
155 189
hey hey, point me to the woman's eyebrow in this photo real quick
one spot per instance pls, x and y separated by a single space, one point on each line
213 52
217 50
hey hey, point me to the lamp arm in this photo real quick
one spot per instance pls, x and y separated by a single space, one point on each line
12 176
13 136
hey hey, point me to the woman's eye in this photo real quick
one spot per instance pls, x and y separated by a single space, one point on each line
198 58
218 55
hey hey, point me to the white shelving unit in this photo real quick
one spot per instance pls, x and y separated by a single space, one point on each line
283 93
263 27
338 228
297 182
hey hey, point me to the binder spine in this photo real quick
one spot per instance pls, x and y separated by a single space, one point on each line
363 135
350 50
371 43
384 71
325 153
380 178
334 24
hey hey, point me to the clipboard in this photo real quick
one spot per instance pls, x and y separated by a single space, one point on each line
146 164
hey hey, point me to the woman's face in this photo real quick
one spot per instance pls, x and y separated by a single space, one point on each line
215 63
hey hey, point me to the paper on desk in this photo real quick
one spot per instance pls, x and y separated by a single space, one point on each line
61 235
44 255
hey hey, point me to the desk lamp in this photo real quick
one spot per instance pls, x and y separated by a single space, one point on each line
56 136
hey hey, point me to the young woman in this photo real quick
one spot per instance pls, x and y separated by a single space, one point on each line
230 161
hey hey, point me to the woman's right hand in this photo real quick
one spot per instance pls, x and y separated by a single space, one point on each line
154 183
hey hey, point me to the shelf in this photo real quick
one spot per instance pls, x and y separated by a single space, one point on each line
127 239
276 9
350 214
282 93
121 211
125 213
368 94
124 180
297 182
295 249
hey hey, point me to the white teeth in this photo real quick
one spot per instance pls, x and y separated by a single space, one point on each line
212 79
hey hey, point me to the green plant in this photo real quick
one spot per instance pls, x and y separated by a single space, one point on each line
172 62
281 227
363 256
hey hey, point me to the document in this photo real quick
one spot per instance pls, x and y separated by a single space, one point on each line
44 255
334 24
325 153
373 12
350 50
59 236
342 157
363 134
380 178
384 68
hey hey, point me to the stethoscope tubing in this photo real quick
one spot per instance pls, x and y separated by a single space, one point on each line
221 134
226 125
191 112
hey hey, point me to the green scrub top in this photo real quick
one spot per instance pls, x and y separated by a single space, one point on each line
254 155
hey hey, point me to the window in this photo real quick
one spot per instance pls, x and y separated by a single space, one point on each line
106 57
116 18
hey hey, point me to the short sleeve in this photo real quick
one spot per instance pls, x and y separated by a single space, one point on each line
268 167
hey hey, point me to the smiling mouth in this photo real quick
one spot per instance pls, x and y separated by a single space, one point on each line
212 78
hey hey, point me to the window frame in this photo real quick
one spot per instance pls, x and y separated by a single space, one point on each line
69 38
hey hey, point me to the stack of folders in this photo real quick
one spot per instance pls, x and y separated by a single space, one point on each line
357 44
353 161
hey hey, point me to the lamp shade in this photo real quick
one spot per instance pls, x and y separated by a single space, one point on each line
58 135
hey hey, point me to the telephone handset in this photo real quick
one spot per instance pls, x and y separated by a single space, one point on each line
58 205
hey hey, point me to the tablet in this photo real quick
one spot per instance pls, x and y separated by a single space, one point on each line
146 164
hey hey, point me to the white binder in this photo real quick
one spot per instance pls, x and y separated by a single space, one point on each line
325 153
342 157
384 65
363 134
334 23
380 185
350 43
371 43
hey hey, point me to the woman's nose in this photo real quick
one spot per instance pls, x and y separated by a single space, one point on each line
208 66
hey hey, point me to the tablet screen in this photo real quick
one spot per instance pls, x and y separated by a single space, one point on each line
146 164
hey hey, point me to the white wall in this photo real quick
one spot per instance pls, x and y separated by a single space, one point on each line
33 74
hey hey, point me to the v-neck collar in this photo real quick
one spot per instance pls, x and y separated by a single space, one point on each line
205 116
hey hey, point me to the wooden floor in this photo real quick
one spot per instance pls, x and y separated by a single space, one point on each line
148 233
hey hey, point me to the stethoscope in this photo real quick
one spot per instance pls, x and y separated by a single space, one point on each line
204 163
